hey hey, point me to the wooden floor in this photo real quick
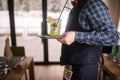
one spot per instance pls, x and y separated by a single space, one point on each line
45 72
48 72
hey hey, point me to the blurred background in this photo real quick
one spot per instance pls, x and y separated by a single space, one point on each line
28 15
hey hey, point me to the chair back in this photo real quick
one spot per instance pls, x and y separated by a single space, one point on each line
18 50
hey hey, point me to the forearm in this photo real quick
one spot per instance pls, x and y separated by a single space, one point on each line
106 38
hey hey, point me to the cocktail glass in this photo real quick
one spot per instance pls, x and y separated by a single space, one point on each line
55 26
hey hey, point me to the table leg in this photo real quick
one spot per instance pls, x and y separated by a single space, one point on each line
31 71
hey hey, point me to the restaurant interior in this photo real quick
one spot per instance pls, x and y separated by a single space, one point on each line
26 55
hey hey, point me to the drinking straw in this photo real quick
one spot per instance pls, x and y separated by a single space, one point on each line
62 11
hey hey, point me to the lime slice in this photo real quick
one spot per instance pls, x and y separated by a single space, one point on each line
49 19
54 24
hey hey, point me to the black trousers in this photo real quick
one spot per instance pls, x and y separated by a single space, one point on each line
84 72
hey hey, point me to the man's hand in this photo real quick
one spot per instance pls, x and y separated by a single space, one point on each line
67 38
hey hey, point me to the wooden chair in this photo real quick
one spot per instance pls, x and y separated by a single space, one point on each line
102 73
19 51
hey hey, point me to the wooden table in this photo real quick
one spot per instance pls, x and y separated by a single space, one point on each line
112 70
16 74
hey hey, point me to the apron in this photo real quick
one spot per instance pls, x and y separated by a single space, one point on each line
78 53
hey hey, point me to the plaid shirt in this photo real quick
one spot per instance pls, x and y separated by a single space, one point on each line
95 15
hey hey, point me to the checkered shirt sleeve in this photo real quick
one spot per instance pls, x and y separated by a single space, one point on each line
95 16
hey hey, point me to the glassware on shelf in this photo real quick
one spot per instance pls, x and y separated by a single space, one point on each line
114 53
118 56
